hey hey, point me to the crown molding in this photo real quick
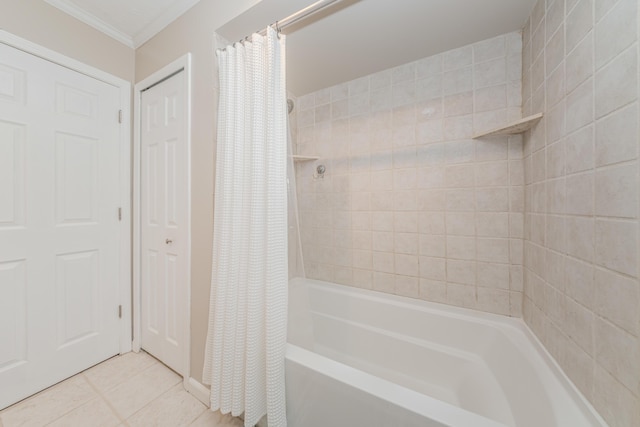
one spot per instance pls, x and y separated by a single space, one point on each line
172 13
89 19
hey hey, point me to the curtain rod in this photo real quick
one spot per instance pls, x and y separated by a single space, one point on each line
295 17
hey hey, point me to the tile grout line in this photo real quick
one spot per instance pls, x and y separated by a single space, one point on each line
46 390
104 399
161 395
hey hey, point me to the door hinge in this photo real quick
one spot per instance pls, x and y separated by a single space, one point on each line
119 214
119 116
119 312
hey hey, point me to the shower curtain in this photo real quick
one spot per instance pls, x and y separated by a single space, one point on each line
244 355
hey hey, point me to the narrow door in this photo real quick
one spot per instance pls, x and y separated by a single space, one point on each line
164 207
59 232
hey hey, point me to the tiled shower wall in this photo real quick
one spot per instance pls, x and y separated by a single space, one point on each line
582 299
409 203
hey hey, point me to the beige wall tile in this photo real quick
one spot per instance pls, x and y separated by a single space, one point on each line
616 31
460 223
431 222
363 278
384 282
582 184
580 237
516 279
616 83
492 199
579 22
554 16
459 247
432 245
493 174
382 262
491 275
580 150
579 366
616 136
579 104
579 195
408 286
433 290
457 58
407 191
493 224
493 300
578 281
554 50
617 299
490 49
579 63
458 176
618 352
616 246
461 295
433 268
406 243
429 66
614 401
616 191
407 265
579 325
492 250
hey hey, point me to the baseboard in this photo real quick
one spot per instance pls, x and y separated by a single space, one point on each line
198 390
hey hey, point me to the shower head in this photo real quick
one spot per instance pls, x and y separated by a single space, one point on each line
289 105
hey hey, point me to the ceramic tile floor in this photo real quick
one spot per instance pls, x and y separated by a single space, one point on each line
132 390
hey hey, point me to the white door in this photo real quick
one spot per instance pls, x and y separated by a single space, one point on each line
59 233
163 221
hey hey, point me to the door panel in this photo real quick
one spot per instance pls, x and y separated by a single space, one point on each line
59 231
164 233
12 84
76 179
12 170
13 325
77 282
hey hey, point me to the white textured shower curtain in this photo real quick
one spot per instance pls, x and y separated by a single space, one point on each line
244 356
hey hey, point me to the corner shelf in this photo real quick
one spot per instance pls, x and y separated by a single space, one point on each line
297 158
514 128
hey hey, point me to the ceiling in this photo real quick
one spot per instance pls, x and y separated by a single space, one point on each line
354 38
347 40
131 22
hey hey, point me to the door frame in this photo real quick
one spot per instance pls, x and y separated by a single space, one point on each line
182 64
124 87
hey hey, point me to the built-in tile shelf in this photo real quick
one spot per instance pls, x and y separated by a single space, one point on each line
514 128
297 158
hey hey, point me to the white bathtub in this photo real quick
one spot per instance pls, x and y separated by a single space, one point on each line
360 358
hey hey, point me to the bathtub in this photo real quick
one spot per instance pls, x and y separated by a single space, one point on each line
360 358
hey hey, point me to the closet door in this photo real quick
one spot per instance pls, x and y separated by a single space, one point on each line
163 221
59 232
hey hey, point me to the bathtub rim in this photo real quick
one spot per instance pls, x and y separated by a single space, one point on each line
514 328
410 400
